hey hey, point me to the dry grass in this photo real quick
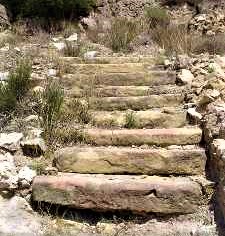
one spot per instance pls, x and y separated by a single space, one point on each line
211 44
72 49
174 39
156 16
123 31
178 40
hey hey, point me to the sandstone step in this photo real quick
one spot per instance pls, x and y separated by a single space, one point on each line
120 160
151 78
108 68
139 194
129 137
126 91
136 103
157 118
109 60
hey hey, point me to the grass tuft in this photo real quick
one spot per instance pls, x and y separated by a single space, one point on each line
16 86
49 107
130 121
122 33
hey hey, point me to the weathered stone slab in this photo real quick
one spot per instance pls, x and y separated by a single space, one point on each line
129 137
110 193
128 91
105 160
164 118
151 78
108 68
136 103
110 60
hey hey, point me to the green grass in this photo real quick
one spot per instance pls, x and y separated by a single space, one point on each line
49 107
16 86
130 121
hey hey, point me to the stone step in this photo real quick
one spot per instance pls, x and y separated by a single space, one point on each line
108 68
136 103
139 194
135 78
129 137
157 118
125 91
120 160
109 60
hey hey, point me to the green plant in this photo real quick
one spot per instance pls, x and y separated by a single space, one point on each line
130 120
122 33
16 86
19 79
49 107
156 16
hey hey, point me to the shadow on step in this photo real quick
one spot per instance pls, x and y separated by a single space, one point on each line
92 217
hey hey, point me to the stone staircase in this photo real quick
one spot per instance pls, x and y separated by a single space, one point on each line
156 167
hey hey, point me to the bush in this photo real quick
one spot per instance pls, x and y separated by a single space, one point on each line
49 105
122 33
156 16
51 9
16 87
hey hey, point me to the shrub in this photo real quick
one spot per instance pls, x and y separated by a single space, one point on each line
51 9
49 105
16 87
122 33
156 16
